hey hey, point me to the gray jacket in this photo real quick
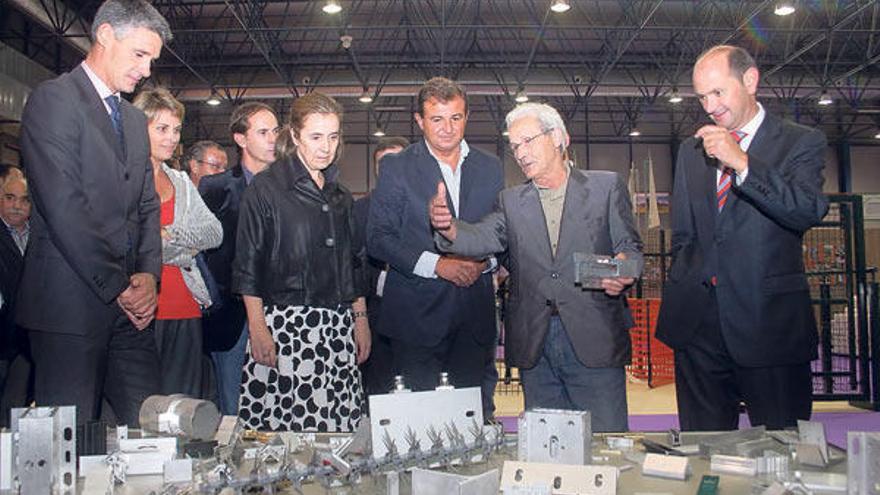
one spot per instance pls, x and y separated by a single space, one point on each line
194 229
596 219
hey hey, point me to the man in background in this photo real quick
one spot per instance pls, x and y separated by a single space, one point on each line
254 128
204 158
378 370
15 360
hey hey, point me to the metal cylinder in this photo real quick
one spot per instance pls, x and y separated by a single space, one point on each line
180 415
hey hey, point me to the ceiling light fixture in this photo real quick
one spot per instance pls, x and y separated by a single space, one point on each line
675 98
825 100
332 7
379 132
365 97
521 96
784 8
877 136
560 6
213 101
634 132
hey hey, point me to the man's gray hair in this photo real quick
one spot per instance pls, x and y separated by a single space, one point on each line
546 115
123 15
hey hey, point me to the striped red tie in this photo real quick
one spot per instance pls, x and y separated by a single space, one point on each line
723 188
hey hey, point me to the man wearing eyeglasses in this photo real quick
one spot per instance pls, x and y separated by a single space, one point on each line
570 344
205 158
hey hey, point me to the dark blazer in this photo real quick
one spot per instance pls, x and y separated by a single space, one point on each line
222 194
95 219
11 263
415 309
753 247
596 219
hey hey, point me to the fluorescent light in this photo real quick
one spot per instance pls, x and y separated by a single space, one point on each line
332 7
521 97
877 136
365 97
505 133
675 98
784 8
634 132
379 133
560 6
213 101
825 99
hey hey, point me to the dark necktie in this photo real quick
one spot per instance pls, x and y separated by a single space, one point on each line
116 118
723 189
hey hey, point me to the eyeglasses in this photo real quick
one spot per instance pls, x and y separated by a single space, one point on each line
527 141
212 165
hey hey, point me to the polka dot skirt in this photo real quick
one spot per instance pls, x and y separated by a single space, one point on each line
317 384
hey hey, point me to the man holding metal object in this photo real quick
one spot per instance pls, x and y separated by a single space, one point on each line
570 344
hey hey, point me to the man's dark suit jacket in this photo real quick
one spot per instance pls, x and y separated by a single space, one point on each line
95 219
416 309
222 194
11 262
753 247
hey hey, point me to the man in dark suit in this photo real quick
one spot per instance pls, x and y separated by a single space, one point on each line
88 291
254 128
569 343
438 310
15 361
378 370
736 307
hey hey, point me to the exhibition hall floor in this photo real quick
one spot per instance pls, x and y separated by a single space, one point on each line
653 409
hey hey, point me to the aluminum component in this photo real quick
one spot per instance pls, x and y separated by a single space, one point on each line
732 464
813 433
7 460
555 436
557 479
179 415
590 269
147 455
725 443
398 421
46 457
427 482
863 462
665 466
758 448
177 471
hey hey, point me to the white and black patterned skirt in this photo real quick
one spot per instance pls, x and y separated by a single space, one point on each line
317 384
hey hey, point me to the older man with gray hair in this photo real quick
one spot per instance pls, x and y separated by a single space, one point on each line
570 344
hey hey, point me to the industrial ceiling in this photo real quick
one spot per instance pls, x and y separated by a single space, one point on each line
609 66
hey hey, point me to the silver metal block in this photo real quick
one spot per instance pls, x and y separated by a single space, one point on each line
732 464
813 433
177 471
7 460
555 436
863 463
427 482
46 458
725 443
590 269
403 418
531 478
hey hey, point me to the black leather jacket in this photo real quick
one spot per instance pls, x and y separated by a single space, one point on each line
295 243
